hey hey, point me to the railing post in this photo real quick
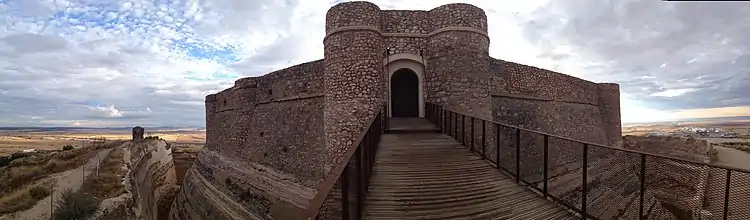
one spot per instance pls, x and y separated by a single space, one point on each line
345 194
726 194
546 153
442 120
361 180
497 145
471 123
427 112
455 125
484 137
585 172
643 184
518 155
449 123
385 118
433 112
463 130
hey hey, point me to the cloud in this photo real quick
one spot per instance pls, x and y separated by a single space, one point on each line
669 55
132 62
109 111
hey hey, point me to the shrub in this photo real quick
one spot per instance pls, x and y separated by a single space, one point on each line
4 161
67 147
38 192
22 199
75 205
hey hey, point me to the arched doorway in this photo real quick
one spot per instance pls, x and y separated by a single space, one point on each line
404 94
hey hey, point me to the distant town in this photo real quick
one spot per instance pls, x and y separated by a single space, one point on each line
695 132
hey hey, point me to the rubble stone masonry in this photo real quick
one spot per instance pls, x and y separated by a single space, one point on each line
272 139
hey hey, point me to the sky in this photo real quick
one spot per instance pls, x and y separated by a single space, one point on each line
99 63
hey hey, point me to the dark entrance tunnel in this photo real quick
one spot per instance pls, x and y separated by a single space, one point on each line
404 94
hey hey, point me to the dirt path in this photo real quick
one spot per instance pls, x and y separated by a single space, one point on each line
739 189
733 158
70 179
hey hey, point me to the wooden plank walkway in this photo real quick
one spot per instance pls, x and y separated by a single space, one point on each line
431 176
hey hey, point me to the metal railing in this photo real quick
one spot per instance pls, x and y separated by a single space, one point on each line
602 182
342 193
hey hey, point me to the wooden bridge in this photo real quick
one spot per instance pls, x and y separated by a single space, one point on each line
453 166
422 174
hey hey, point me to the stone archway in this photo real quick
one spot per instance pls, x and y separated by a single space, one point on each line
407 62
405 94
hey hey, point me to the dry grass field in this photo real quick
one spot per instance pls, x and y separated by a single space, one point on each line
14 141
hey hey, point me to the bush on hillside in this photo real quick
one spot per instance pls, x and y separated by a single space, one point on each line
39 192
75 205
67 147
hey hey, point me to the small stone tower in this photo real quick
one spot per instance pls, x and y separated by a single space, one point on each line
137 133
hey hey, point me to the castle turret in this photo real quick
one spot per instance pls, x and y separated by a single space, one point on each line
245 95
353 77
457 57
458 62
210 113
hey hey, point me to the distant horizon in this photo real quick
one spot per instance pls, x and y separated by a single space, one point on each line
711 119
108 127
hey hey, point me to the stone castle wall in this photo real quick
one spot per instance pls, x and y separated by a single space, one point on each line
563 105
272 139
264 147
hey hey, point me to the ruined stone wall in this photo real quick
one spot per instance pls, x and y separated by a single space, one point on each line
677 185
152 177
683 148
264 147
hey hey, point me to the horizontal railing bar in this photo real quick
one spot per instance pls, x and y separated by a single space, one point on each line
610 147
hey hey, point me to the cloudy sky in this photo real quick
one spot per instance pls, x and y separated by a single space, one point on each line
119 63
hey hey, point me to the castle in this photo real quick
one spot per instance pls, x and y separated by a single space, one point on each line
272 139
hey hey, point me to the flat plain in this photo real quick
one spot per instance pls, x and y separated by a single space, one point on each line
14 140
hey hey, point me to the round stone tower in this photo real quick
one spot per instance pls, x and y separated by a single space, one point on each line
138 133
457 59
353 77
